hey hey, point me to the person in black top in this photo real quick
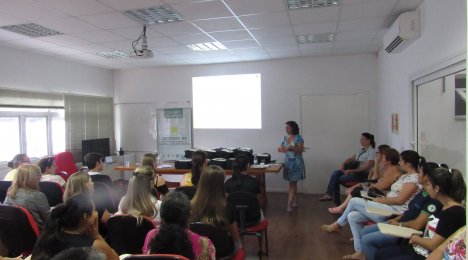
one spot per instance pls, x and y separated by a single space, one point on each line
95 164
448 187
241 180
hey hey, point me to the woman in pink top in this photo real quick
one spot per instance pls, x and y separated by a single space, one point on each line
173 237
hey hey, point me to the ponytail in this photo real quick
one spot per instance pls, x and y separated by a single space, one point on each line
458 192
450 183
198 160
239 165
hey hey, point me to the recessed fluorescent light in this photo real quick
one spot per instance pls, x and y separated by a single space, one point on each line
154 15
297 4
315 38
112 54
207 46
31 30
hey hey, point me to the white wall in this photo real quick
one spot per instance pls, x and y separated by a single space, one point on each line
24 70
283 82
443 36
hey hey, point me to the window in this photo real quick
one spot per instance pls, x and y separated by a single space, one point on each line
227 102
36 132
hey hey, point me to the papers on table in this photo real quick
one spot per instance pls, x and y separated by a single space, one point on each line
259 166
382 212
165 166
397 231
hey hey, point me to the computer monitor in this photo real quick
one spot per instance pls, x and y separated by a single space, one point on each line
101 145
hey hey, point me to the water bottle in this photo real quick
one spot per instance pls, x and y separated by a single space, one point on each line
121 151
255 159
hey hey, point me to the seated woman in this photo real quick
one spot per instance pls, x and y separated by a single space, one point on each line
210 206
71 224
387 159
199 163
149 159
449 188
18 160
453 247
47 165
401 193
173 237
416 217
81 183
24 192
241 180
355 168
138 201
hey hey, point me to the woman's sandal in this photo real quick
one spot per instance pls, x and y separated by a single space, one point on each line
335 211
355 256
325 197
331 228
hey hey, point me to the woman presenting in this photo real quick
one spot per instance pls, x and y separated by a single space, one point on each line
292 146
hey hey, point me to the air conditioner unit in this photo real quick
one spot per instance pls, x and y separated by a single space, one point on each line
402 33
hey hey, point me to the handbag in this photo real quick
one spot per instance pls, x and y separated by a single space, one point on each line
375 193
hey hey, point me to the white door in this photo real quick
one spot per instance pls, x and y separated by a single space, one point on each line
331 127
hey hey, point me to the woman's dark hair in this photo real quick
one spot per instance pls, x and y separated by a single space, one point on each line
198 159
239 165
411 157
13 164
391 155
65 215
450 183
172 237
427 167
294 126
45 162
381 147
91 159
369 137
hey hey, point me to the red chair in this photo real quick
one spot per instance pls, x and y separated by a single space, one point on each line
19 230
126 235
66 165
156 257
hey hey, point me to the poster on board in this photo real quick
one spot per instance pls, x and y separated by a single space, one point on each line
174 132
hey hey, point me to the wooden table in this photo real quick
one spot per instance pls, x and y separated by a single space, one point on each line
257 172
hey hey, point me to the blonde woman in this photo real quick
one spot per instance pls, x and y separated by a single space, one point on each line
149 159
209 203
139 202
81 183
48 167
25 192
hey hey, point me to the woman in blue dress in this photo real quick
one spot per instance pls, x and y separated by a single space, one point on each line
292 146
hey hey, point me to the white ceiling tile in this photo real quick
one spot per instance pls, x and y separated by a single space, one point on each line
69 25
325 27
6 19
240 44
370 9
81 7
356 35
64 40
32 43
199 61
131 5
356 44
169 29
278 41
99 36
406 6
265 20
286 54
187 56
254 57
272 32
316 46
231 35
213 54
316 52
192 38
174 50
348 51
312 15
161 42
120 45
133 33
283 48
352 2
247 51
109 20
202 10
91 48
361 24
241 7
7 35
225 59
29 10
219 24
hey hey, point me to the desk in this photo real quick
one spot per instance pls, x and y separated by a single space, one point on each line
259 173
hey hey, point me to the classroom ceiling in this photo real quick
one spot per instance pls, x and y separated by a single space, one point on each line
250 29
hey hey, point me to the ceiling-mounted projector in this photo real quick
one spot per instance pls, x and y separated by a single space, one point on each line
144 52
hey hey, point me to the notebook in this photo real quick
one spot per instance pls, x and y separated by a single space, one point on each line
398 231
382 212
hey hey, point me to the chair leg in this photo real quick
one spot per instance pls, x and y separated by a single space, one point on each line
266 242
260 247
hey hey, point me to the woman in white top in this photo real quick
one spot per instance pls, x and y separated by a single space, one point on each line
139 202
397 199
48 167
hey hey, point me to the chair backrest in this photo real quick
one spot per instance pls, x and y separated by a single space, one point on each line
187 190
247 208
4 186
19 231
156 257
126 235
65 163
53 192
104 197
220 237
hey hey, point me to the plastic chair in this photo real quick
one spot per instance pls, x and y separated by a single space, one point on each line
4 186
126 236
157 257
249 217
187 190
104 197
66 165
19 230
53 192
220 237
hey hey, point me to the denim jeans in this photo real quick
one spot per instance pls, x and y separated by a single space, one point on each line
372 240
356 215
338 177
